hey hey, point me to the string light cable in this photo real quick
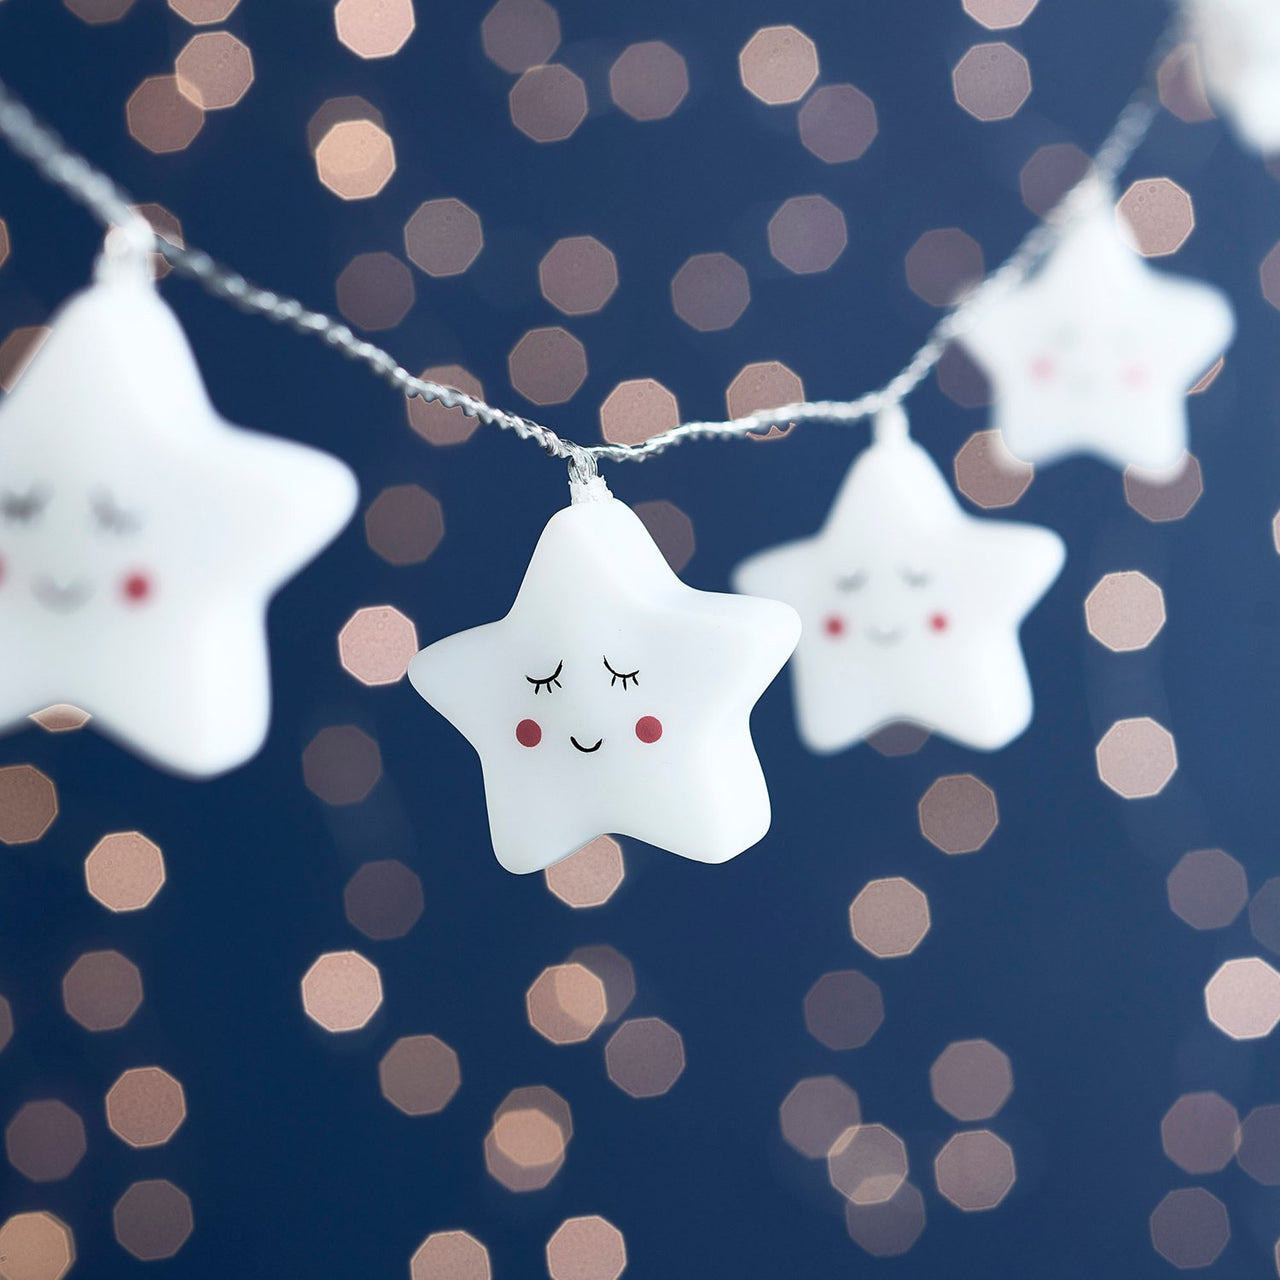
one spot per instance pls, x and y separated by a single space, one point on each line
131 239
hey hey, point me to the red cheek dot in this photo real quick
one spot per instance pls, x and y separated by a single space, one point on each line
528 733
939 622
1136 375
1042 368
834 625
648 728
136 587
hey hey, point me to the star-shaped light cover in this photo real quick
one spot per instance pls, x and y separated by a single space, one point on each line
612 697
910 607
1240 51
1096 352
141 536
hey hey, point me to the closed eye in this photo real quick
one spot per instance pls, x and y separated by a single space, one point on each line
632 677
853 581
110 517
23 508
916 577
547 682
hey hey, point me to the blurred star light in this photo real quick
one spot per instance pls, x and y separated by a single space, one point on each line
419 1075
28 804
435 422
867 1164
355 159
450 1255
1207 888
1164 495
671 529
816 1112
153 1219
161 117
992 81
889 1229
36 1246
202 13
889 917
975 1170
519 34
590 877
844 1009
145 1107
341 991
586 1248
998 14
838 123
988 474
1137 757
376 643
548 103
99 12
383 899
710 292
404 524
124 871
648 80
807 234
102 990
637 409
958 813
214 70
578 275
341 764
1200 1133
45 1140
444 237
547 366
766 384
375 291
778 64
374 28
971 1079
645 1057
566 1004
1242 998
943 265
1190 1228
1125 611
1155 216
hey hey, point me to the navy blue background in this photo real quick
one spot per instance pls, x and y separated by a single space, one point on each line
1055 941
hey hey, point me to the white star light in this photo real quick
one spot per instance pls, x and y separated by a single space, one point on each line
910 607
141 537
612 697
1095 353
1240 50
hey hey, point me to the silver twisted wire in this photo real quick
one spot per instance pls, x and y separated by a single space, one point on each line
111 206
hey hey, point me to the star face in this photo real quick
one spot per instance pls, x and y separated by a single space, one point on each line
1095 354
141 537
910 607
1240 50
612 698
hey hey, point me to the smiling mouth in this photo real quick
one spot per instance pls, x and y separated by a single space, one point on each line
585 750
61 599
880 636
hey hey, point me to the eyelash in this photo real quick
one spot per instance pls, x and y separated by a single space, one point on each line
23 508
111 518
633 676
548 681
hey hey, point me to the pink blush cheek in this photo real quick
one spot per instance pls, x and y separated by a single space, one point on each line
939 622
528 733
834 626
1135 375
137 588
648 728
1043 368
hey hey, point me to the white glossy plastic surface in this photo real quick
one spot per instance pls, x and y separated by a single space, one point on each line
1240 51
1096 352
910 607
654 745
141 537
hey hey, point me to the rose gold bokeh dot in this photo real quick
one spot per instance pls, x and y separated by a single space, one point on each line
419 1075
355 159
4 242
996 15
375 291
1269 275
887 1230
341 991
432 420
958 813
1208 378
1164 495
590 877
519 34
17 351
153 1219
637 409
450 1255
898 738
214 70
36 1246
943 265
102 990
975 1170
1125 611
838 123
971 1079
1155 217
164 224
202 13
988 474
1190 1228
124 871
710 292
778 64
146 1106
547 366
843 1009
586 1248
1137 757
1264 914
162 118
1242 998
648 80
867 1164
374 28
615 971
767 384
61 717
960 379
1259 1145
525 1149
376 643
404 524
671 529
98 12
816 1112
1207 889
45 1140
6 1023
645 1057
807 234
443 237
566 1004
383 899
28 804
1200 1133
537 1097
1180 82
336 111
992 81
889 917
1050 173
341 764
548 103
578 275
